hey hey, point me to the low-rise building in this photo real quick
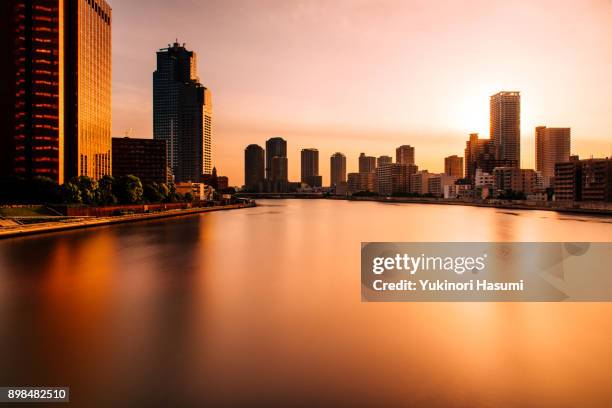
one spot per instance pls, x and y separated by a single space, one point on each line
419 182
441 185
364 181
568 181
597 180
143 158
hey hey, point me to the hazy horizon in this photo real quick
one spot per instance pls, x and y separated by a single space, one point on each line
364 76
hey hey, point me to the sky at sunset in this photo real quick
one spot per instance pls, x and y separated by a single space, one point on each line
367 76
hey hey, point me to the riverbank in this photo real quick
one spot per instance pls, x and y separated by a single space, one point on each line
88 222
587 208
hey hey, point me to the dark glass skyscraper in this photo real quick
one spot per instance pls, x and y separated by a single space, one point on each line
55 93
182 113
254 163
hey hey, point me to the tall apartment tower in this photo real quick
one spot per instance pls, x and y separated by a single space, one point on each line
453 166
404 155
55 93
182 113
505 123
552 145
254 165
367 164
310 167
276 159
337 167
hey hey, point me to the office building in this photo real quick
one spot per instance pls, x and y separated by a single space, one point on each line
310 168
337 169
453 166
182 113
254 167
367 164
505 126
143 158
552 145
55 93
404 154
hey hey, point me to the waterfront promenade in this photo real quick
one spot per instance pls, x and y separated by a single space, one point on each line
17 230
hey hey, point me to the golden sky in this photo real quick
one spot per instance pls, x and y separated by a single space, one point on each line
367 76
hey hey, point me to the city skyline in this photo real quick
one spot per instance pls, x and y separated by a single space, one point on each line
309 96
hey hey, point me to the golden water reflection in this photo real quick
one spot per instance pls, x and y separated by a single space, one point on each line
263 305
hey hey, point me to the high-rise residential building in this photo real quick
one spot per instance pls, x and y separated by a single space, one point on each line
143 158
337 169
552 145
275 147
254 167
55 93
367 164
278 169
404 154
182 113
481 154
505 123
453 166
394 178
382 160
310 167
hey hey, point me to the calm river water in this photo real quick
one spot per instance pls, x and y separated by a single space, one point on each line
262 306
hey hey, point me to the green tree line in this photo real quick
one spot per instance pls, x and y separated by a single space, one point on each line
84 190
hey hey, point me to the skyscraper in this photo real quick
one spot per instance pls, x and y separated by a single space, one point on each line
55 96
254 164
505 123
337 169
404 154
367 164
453 166
310 167
552 145
182 113
275 147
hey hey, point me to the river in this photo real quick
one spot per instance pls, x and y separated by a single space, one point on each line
261 306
